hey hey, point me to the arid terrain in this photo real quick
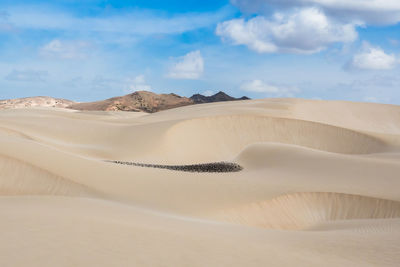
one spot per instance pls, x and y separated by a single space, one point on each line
150 102
37 101
272 182
140 101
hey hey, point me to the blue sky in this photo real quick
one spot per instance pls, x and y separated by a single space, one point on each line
90 50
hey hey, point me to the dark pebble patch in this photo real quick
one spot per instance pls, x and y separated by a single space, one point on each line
204 167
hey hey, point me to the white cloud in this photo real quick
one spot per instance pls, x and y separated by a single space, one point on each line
138 84
304 31
135 21
190 66
382 87
372 58
368 11
65 49
126 84
208 93
27 76
259 86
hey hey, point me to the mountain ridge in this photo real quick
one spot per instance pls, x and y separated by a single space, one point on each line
151 102
139 101
218 97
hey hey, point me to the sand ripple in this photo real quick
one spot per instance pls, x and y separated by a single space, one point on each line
303 210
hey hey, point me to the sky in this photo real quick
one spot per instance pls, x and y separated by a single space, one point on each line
89 50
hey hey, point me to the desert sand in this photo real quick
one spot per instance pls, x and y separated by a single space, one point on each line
320 186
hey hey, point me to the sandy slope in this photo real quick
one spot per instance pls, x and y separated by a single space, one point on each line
320 186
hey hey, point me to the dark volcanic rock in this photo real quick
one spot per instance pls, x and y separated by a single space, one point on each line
218 97
203 167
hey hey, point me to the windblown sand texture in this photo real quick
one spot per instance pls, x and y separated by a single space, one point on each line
320 186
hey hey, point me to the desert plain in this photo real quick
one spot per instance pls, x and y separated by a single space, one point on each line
320 185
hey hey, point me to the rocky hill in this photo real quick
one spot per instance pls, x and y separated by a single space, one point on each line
37 101
151 102
137 101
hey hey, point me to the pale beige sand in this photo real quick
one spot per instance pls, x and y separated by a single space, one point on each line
320 186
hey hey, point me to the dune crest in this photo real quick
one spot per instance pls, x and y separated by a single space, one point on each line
307 188
204 136
299 211
20 178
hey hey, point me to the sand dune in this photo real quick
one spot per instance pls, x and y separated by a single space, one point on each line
319 186
204 136
303 210
19 178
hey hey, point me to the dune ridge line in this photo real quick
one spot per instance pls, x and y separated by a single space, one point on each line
302 210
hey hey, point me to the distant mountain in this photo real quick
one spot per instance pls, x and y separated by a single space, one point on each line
137 101
218 97
36 101
151 102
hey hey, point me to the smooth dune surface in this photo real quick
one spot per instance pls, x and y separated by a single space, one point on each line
319 185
